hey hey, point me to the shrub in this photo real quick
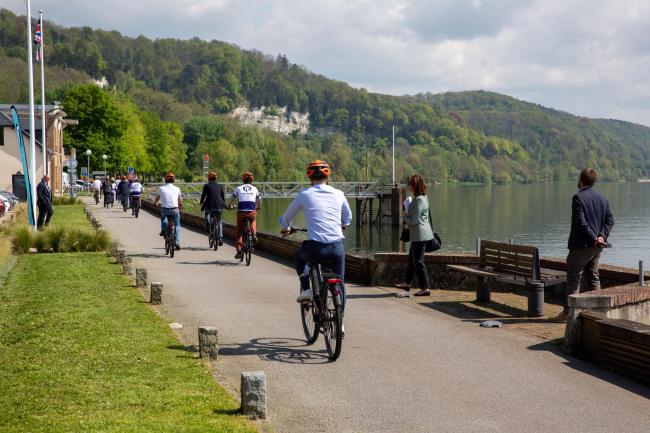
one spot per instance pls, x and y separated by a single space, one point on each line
22 240
56 237
42 242
100 241
64 201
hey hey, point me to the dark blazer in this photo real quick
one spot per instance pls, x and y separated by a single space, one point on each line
213 196
43 195
590 218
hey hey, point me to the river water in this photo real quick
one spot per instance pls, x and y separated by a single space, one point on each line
538 214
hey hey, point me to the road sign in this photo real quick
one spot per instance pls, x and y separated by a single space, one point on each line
71 164
206 157
131 170
84 172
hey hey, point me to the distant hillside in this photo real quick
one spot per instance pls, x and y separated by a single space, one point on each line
466 136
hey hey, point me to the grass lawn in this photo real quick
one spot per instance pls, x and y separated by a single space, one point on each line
81 352
72 216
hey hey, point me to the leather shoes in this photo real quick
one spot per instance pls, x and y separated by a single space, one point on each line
423 292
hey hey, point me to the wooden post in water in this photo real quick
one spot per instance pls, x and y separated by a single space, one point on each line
641 276
396 205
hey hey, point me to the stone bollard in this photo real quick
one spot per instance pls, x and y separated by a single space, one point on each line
253 394
127 265
120 256
99 226
115 245
140 277
156 293
208 342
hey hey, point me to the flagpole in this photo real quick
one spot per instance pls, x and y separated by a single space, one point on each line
32 135
46 169
393 154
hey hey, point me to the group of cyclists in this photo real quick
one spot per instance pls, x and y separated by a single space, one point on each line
127 191
326 213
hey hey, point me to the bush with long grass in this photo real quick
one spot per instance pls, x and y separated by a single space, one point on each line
100 241
56 237
22 240
65 201
41 242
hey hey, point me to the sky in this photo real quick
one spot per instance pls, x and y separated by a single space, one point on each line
587 57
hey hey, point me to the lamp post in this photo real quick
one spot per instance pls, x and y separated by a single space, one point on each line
88 153
104 157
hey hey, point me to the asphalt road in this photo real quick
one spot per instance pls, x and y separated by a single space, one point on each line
404 367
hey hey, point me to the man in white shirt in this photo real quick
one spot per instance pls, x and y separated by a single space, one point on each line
248 202
326 211
97 186
169 196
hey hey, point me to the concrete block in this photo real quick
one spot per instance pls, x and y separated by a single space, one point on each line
590 300
120 256
208 342
140 277
156 292
253 394
127 265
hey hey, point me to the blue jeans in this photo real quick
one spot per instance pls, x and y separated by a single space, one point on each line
216 213
176 217
318 252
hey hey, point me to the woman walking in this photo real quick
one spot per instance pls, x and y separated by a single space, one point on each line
420 233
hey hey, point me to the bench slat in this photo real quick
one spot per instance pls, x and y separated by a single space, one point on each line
473 271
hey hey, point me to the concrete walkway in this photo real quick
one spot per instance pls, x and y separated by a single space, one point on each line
404 367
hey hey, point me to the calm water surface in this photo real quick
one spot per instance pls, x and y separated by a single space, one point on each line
538 215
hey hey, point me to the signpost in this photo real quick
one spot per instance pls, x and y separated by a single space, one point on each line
131 173
72 172
206 165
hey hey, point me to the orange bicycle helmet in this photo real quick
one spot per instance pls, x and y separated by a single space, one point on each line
318 169
169 177
247 176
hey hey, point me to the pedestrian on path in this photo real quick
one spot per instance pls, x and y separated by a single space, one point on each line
44 202
107 189
420 232
591 223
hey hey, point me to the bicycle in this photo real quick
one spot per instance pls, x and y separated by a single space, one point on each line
248 246
135 205
323 314
170 238
214 237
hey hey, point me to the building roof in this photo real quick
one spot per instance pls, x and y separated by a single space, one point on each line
7 121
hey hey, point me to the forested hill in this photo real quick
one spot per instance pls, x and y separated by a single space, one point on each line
466 136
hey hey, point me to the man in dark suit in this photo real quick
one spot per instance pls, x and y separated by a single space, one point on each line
44 202
591 224
213 200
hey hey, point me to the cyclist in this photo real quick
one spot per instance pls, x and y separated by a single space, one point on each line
326 211
135 191
213 200
248 202
97 186
169 196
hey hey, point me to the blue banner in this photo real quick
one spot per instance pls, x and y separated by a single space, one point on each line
23 158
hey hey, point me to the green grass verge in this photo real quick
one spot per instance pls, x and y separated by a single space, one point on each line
81 352
72 216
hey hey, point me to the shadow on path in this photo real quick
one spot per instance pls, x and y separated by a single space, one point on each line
211 262
554 346
288 350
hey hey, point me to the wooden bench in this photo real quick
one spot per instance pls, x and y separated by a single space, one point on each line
512 264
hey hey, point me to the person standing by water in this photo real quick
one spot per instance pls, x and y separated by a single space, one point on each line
591 223
420 232
44 202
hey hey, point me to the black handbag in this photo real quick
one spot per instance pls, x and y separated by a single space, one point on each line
405 235
434 244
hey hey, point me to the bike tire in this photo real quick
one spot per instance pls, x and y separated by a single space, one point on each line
211 238
248 251
332 325
166 245
309 325
172 248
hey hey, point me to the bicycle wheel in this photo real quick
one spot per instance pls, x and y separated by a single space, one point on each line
248 251
172 242
332 323
308 315
166 243
211 236
215 236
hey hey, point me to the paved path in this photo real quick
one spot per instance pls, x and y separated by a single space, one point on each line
404 367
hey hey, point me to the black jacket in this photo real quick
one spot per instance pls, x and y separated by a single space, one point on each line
107 187
590 218
213 196
43 195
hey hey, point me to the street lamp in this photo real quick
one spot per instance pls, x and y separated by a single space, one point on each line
88 153
104 157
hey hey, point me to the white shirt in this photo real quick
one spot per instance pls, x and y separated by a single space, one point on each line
136 188
326 210
247 196
97 184
169 194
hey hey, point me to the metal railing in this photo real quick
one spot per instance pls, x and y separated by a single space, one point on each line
284 189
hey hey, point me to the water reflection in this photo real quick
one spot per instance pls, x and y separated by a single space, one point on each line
537 215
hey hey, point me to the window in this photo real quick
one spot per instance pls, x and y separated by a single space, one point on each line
2 136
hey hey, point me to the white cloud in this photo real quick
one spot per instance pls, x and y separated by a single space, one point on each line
588 58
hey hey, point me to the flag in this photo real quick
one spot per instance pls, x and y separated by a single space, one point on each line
38 41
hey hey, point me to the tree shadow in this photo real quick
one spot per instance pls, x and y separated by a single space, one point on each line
286 350
211 262
370 296
475 312
555 347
